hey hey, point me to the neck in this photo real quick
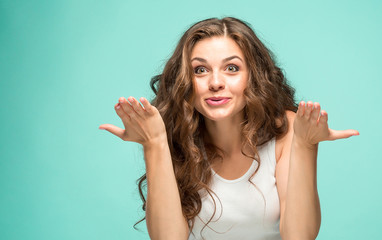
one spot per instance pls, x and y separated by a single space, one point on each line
226 134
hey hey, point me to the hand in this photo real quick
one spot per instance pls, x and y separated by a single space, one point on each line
142 124
311 127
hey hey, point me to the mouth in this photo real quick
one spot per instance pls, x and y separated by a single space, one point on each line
214 101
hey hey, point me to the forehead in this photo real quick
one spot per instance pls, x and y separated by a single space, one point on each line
216 47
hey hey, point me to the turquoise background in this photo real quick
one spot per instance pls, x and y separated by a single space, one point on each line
64 64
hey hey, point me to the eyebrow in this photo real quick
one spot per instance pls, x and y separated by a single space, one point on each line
224 60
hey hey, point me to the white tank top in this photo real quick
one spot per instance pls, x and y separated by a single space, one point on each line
243 213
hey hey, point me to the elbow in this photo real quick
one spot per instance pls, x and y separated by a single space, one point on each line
300 230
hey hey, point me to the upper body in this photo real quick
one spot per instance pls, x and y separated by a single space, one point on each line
245 210
221 90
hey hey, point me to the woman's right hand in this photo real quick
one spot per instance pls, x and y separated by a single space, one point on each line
143 125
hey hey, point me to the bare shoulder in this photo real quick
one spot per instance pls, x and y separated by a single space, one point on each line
287 138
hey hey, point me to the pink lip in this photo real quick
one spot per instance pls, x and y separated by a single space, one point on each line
216 101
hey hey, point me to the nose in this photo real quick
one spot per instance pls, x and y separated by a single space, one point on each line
216 82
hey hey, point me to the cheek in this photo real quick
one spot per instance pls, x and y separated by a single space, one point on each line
238 88
239 81
243 86
199 89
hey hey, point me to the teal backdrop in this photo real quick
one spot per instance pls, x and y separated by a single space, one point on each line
64 64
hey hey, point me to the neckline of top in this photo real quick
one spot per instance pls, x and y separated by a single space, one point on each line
254 162
237 179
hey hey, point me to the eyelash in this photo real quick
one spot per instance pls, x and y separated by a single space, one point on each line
231 65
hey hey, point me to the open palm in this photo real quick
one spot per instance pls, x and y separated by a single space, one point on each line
143 124
312 127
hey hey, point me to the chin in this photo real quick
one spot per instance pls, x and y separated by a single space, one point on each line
221 115
216 117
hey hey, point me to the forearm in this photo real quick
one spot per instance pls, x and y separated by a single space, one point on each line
164 216
302 216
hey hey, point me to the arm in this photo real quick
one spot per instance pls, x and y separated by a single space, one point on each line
144 125
164 216
296 171
301 217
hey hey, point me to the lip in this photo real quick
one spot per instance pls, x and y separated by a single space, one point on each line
215 101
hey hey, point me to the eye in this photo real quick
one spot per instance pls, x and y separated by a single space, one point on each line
196 70
232 68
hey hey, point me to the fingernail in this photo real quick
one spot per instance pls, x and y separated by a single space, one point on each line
101 128
118 107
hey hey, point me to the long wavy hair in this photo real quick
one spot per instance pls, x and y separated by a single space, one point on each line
267 96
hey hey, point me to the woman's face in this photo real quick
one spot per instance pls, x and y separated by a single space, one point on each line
220 77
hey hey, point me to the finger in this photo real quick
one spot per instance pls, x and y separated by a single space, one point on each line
126 118
147 106
316 112
136 106
323 118
301 109
112 129
308 109
126 106
339 134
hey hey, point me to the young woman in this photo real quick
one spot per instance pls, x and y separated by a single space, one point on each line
228 152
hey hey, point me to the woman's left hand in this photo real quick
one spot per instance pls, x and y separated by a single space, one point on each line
311 127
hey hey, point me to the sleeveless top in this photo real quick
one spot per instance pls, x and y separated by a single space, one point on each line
243 212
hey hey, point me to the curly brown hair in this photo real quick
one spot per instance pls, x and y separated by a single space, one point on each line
267 95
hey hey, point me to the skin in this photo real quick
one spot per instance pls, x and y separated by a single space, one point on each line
216 77
296 152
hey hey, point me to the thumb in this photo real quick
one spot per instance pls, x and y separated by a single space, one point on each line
339 134
112 129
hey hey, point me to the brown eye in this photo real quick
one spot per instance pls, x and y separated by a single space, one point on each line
203 70
233 68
